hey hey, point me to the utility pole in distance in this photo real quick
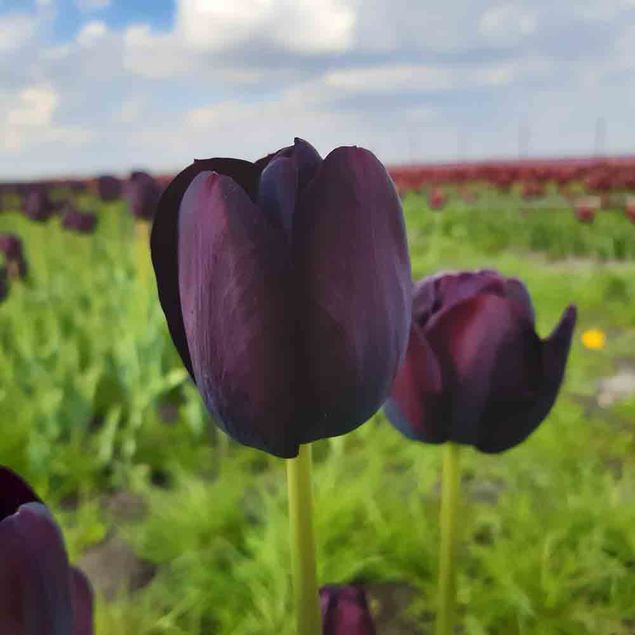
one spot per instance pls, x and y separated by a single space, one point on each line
599 143
523 138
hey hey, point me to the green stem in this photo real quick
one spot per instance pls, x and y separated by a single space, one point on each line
451 485
305 586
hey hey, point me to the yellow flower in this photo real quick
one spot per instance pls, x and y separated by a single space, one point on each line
595 339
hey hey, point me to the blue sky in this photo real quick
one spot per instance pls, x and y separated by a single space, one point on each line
108 85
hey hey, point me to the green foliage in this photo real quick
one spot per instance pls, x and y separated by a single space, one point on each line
94 399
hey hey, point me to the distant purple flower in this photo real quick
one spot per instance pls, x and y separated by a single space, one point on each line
109 188
80 222
476 372
143 193
40 593
11 248
345 611
285 284
37 205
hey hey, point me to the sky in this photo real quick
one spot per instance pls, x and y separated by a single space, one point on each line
97 86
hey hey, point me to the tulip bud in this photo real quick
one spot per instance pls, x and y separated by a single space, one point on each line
142 193
436 199
39 591
38 206
586 208
80 222
475 371
629 209
108 188
286 291
345 611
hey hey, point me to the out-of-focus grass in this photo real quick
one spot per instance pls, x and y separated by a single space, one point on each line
548 529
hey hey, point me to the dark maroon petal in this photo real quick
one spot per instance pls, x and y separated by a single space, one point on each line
469 339
517 292
307 160
82 600
345 611
507 423
278 191
234 293
14 491
164 238
305 157
34 574
354 290
442 291
414 402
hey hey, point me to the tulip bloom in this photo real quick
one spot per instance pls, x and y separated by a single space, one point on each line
475 371
80 222
629 209
286 291
108 188
586 208
38 205
436 199
39 592
345 611
142 193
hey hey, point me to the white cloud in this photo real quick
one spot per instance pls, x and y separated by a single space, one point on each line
28 120
35 107
298 25
505 24
91 33
16 31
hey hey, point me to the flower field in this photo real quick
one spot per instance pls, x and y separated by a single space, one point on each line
183 531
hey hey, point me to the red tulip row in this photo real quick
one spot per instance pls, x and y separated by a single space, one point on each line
597 175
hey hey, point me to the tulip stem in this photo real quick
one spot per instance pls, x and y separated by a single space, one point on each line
450 490
142 229
303 543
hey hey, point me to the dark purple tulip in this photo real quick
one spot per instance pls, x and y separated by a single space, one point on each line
80 222
475 371
40 593
109 188
345 611
11 248
38 206
142 193
286 291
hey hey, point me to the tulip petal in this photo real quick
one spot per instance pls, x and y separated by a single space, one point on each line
345 611
506 425
164 238
469 340
517 292
234 293
442 291
82 598
34 577
307 160
278 190
354 290
413 405
14 491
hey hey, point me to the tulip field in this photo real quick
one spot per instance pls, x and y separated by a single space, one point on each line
182 531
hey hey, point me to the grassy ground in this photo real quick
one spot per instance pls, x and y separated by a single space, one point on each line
94 402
